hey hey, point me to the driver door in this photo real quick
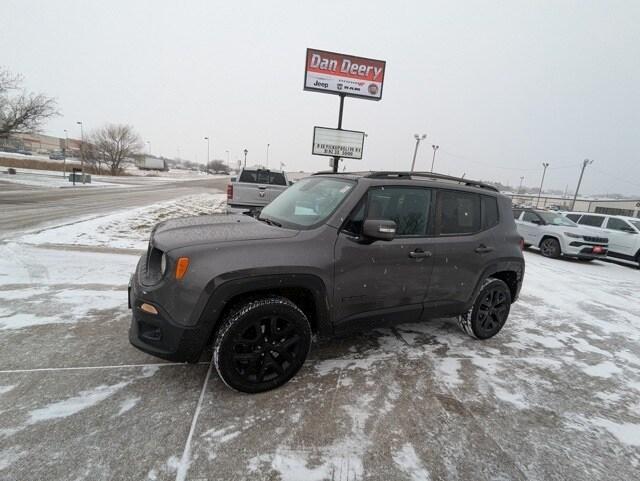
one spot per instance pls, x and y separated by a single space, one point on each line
379 282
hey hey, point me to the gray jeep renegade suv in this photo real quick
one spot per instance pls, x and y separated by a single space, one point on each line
333 253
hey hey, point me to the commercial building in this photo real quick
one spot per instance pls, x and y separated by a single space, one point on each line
628 207
41 144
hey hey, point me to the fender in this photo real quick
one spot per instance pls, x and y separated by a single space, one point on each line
514 264
218 291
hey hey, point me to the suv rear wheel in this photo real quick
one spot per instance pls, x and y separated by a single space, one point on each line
262 344
489 311
550 247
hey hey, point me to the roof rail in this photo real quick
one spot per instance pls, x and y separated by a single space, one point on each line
431 175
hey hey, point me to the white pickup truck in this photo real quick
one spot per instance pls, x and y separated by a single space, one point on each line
255 187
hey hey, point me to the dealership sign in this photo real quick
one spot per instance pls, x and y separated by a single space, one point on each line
337 143
336 73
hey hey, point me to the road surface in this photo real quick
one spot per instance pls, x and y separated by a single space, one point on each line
26 208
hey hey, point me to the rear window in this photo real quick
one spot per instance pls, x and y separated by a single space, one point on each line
460 212
591 220
261 176
490 215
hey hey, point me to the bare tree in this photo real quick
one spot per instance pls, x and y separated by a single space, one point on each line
115 144
22 111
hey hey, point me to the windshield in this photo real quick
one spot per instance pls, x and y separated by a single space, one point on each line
636 223
307 202
556 219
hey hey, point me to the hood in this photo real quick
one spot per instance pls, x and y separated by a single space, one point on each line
209 229
581 230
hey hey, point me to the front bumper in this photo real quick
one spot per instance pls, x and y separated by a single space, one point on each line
158 335
583 250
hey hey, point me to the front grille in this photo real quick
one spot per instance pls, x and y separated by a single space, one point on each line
596 240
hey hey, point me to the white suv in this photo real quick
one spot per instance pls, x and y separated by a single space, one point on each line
623 233
556 235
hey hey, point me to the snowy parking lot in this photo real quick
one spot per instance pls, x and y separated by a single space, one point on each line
556 395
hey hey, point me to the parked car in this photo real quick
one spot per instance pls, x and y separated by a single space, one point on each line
333 253
24 152
557 235
623 233
56 156
255 187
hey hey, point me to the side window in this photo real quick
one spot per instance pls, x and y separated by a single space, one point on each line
276 178
530 217
591 220
490 216
460 212
408 207
516 213
573 217
618 224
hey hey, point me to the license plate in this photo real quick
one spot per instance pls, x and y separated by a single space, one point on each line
598 250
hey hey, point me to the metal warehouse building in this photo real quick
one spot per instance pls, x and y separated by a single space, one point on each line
628 207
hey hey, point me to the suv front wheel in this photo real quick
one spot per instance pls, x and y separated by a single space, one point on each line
489 311
262 344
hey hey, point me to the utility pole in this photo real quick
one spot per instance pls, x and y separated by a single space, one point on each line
415 152
585 162
268 155
81 149
149 147
245 157
520 188
433 161
207 139
228 165
545 165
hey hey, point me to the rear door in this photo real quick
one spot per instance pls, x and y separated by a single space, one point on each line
622 237
530 227
467 227
384 281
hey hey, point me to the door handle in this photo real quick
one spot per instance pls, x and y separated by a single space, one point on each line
419 253
483 249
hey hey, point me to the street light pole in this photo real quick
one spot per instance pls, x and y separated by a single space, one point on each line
585 162
228 165
245 157
149 147
207 139
64 156
520 188
415 152
81 149
435 149
268 155
545 165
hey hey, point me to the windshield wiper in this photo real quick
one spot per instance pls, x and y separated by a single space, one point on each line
270 221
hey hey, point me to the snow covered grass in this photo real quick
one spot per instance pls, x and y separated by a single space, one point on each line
129 229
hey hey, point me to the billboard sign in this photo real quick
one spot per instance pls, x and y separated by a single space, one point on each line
347 144
336 73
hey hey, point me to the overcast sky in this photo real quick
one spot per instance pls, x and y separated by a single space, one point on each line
500 86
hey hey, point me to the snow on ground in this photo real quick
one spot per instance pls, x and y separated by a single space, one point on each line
555 394
128 229
52 180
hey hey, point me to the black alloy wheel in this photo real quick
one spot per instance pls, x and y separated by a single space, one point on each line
489 311
262 345
550 247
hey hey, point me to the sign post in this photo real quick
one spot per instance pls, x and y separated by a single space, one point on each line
345 76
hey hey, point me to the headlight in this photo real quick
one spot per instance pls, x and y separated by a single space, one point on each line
163 264
572 235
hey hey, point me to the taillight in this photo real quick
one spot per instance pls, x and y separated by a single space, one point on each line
521 244
229 191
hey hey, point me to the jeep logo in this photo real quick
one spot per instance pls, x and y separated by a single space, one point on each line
324 85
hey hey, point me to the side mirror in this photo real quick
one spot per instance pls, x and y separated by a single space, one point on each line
538 221
628 230
381 229
291 182
233 179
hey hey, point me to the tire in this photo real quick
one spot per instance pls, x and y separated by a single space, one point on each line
550 247
489 311
582 259
246 354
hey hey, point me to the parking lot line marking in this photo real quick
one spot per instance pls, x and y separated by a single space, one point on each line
82 368
183 467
